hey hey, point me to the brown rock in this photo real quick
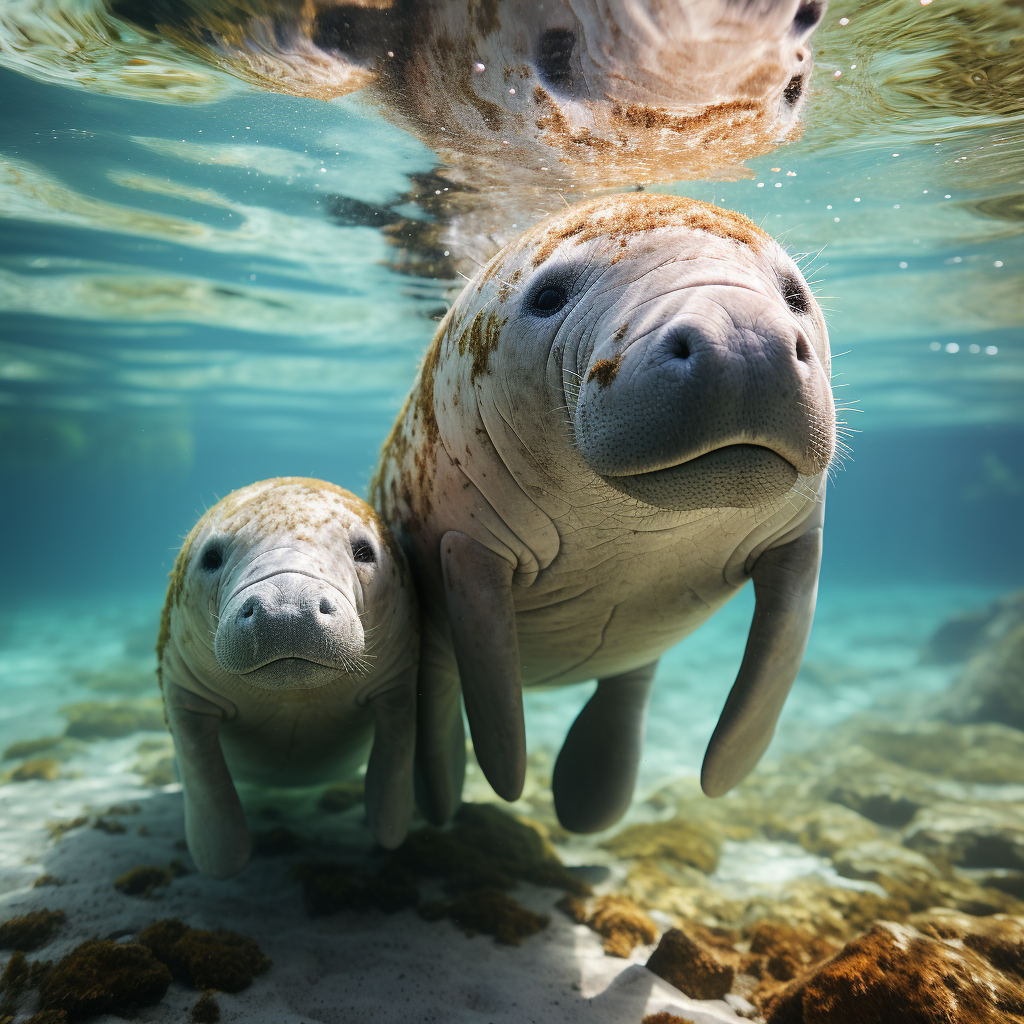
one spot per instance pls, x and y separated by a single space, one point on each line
691 967
898 974
974 835
966 633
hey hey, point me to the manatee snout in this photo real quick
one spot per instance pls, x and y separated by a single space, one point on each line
288 616
721 403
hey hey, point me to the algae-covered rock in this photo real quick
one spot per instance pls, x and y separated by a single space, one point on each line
94 720
13 982
694 843
975 835
991 686
900 974
102 976
690 966
37 769
966 633
32 930
987 752
28 748
217 959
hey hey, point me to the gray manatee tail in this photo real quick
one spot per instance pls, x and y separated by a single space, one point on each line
785 588
596 771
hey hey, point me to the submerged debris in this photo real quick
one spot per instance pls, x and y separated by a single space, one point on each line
217 959
32 930
103 976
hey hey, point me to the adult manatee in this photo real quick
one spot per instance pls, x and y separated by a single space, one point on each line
625 416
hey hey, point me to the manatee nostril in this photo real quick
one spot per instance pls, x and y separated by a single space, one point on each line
248 608
326 608
803 349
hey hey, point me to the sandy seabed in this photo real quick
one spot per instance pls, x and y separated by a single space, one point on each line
359 966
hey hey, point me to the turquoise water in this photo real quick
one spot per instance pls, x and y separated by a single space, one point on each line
188 303
185 310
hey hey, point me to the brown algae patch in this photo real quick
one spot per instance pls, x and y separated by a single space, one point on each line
95 720
144 880
482 854
617 919
206 1010
103 976
32 930
39 769
604 371
217 959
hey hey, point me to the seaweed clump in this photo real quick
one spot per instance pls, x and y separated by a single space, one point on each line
206 1010
30 931
39 769
103 976
617 919
144 879
484 852
217 959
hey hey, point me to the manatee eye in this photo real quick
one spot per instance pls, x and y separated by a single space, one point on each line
212 559
549 300
362 551
795 296
807 16
554 53
794 89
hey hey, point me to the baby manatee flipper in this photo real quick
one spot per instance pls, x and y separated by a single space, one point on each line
215 828
478 592
389 773
785 589
595 773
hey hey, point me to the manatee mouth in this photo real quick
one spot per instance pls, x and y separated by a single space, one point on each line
292 673
736 476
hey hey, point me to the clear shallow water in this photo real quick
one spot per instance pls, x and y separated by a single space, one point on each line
187 306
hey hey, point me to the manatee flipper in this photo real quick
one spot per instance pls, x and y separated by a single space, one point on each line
481 613
440 740
785 589
215 828
389 772
595 773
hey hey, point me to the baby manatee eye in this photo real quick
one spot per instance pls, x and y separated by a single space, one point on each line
213 558
795 296
549 300
362 551
554 54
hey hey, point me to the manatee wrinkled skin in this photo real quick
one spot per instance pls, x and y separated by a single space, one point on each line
625 416
288 653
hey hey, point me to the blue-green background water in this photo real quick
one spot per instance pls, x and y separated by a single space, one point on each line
182 315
